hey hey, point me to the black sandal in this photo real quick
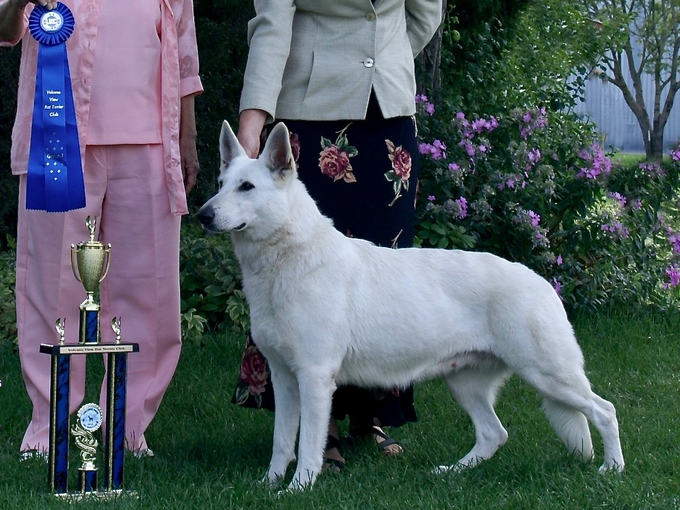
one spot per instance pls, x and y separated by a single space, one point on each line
386 443
333 465
357 433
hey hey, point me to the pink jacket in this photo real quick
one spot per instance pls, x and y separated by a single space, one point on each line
179 78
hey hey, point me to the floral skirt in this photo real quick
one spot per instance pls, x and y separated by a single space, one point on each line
363 175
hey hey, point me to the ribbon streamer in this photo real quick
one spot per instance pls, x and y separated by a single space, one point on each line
55 173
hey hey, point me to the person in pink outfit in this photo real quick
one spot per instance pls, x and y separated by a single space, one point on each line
134 75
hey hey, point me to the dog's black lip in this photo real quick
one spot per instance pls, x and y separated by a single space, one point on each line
240 227
208 231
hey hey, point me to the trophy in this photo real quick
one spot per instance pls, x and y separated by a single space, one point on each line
90 262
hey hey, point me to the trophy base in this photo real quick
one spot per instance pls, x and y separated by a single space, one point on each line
75 497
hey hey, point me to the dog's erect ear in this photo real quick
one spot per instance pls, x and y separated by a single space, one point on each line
277 152
229 145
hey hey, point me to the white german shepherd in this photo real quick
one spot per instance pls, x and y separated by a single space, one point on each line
327 310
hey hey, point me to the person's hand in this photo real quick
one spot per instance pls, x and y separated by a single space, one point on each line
50 4
187 143
250 126
20 4
189 157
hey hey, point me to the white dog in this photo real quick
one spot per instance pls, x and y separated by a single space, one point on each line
327 310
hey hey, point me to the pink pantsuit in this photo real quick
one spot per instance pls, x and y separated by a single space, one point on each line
131 61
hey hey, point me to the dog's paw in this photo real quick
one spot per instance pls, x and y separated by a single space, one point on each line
302 480
440 470
613 467
272 483
454 468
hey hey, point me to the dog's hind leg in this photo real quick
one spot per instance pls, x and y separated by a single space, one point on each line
567 398
316 392
475 391
571 426
566 418
286 421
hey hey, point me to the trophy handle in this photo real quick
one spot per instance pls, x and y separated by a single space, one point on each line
107 250
74 251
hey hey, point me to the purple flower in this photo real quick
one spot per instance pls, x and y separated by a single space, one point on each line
431 198
675 153
597 162
436 150
453 167
429 108
469 147
617 228
557 285
460 207
421 98
534 155
559 260
674 239
653 168
535 218
618 197
673 275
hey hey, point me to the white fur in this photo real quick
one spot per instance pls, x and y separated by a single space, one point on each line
328 310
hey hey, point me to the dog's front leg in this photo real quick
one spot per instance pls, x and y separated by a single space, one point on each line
316 392
286 421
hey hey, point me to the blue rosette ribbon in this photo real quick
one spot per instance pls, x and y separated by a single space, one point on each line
55 172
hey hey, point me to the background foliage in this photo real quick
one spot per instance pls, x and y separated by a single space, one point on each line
509 168
501 61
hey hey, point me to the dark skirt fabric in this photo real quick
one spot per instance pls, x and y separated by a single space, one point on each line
363 175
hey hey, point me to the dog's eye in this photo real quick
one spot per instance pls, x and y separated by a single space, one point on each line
246 186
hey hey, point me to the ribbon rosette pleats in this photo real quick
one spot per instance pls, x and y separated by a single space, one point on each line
55 172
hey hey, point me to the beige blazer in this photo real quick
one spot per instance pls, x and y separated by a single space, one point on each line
319 59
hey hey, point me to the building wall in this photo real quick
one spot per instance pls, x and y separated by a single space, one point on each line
604 105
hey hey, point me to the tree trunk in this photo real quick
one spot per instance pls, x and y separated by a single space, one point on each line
655 152
428 64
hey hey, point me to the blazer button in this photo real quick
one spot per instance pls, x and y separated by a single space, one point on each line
370 16
368 62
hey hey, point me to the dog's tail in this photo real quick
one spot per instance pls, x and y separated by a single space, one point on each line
571 426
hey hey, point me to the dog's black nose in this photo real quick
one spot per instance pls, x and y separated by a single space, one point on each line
206 215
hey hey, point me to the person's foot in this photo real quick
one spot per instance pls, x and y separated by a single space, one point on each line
143 453
34 454
333 461
387 445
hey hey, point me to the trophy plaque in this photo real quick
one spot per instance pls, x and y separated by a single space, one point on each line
90 262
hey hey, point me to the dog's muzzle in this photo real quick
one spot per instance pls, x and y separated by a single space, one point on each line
206 216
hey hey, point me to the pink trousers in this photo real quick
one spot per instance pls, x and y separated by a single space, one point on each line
127 193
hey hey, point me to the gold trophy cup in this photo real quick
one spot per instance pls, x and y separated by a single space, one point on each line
90 262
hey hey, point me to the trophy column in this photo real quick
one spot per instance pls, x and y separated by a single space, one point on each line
59 417
90 262
115 408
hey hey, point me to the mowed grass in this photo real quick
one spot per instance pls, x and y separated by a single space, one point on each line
211 454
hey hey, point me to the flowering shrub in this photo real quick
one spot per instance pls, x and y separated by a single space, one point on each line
538 187
675 153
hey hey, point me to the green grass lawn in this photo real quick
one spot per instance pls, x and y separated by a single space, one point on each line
210 454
